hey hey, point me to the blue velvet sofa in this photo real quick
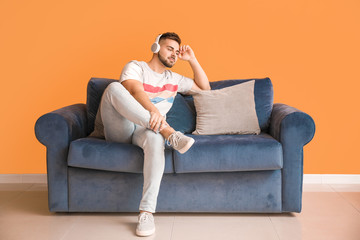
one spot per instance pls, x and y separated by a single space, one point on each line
220 173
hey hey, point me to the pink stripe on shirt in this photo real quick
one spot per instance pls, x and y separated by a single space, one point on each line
152 89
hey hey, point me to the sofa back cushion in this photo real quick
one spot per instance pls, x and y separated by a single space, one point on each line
181 116
185 122
263 92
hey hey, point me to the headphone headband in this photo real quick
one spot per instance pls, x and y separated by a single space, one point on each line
158 38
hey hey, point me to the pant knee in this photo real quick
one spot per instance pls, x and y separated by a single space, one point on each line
115 88
153 141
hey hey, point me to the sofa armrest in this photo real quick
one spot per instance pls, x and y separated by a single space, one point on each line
62 126
293 129
56 130
288 122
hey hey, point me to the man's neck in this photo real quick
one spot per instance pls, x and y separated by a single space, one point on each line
156 65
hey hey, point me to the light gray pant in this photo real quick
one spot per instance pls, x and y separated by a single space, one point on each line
125 120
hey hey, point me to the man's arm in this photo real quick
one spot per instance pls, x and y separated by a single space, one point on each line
201 81
136 89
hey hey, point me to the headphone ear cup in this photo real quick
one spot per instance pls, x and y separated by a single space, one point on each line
155 47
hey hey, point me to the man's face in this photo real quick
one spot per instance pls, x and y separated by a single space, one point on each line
169 51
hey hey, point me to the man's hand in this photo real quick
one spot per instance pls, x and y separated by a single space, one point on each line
157 121
186 53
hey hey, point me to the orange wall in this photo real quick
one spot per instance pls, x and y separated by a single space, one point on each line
310 49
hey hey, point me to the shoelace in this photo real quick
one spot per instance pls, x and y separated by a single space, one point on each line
144 218
173 140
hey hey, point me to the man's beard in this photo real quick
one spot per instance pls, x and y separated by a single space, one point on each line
163 61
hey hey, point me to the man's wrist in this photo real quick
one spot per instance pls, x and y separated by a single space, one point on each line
192 60
154 110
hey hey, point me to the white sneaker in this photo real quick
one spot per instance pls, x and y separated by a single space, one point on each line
180 142
146 224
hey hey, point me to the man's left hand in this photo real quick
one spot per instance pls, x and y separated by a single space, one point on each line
186 53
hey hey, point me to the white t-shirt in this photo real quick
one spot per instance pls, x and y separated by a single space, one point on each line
160 87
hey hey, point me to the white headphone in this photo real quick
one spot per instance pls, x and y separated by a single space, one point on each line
155 47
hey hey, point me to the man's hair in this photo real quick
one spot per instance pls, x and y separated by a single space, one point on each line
171 35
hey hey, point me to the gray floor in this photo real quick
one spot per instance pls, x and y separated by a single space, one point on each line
329 212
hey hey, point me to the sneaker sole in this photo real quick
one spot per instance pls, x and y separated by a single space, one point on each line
145 233
187 146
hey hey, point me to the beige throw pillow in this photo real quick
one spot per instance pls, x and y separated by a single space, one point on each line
229 110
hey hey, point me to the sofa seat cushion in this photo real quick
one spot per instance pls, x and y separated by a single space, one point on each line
96 153
230 153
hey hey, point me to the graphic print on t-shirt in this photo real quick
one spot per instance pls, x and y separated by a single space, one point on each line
159 94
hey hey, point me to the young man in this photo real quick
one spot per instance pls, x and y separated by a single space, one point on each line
134 109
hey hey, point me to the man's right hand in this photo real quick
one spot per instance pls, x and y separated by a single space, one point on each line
157 120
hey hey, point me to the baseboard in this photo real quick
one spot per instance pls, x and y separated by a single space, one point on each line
23 178
331 178
308 178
